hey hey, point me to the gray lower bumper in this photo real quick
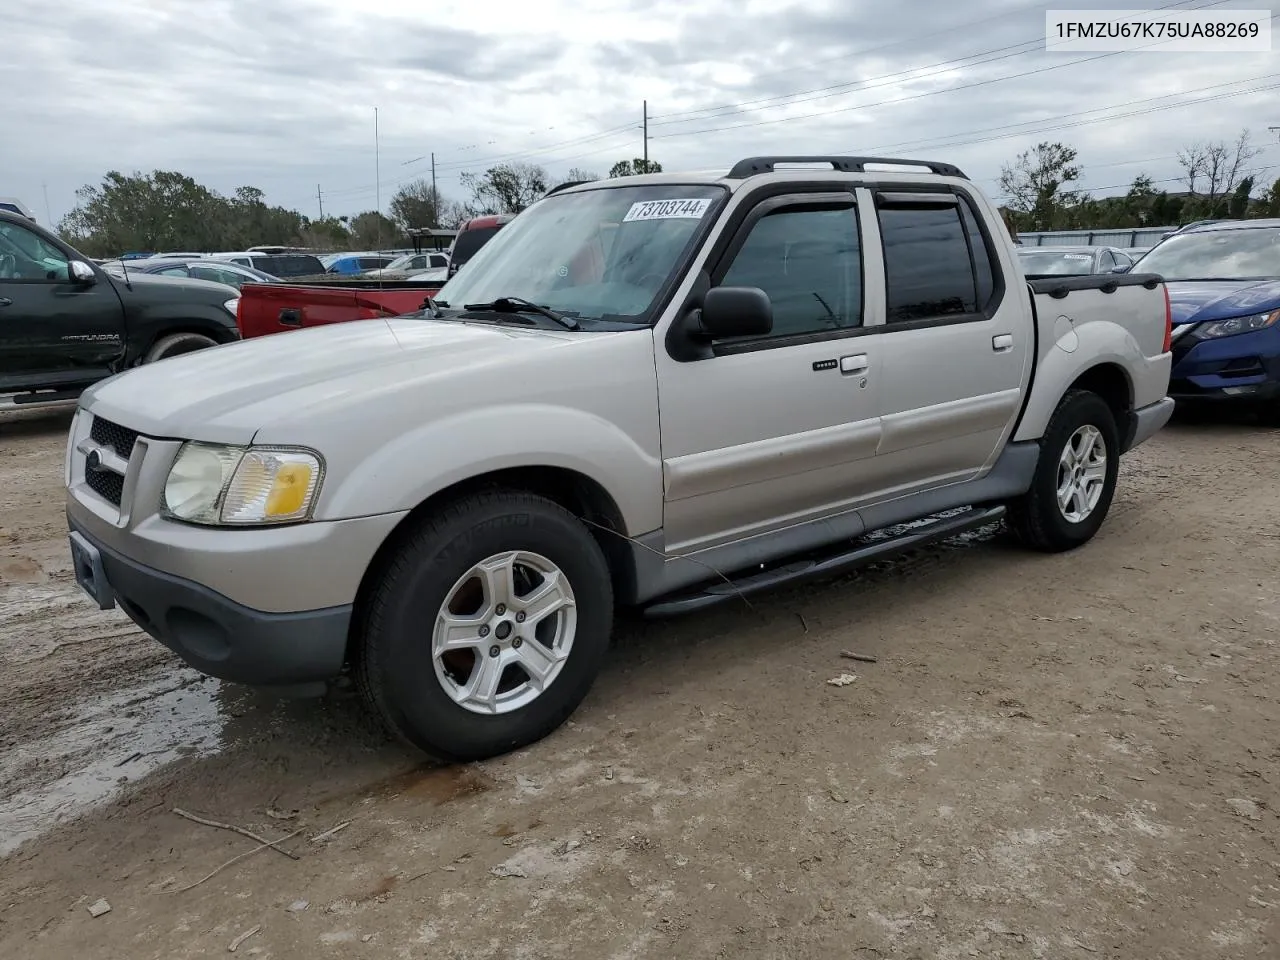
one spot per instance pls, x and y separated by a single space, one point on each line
1148 420
212 633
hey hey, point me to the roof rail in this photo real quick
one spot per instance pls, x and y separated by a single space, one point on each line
755 165
566 185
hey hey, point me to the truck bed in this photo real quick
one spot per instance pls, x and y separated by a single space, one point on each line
267 308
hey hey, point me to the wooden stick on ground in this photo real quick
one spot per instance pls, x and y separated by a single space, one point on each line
240 830
236 859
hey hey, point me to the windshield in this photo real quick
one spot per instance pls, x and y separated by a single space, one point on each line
470 241
1250 253
601 253
1054 263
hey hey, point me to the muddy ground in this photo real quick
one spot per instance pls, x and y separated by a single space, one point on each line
1066 756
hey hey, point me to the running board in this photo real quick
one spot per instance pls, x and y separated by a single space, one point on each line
813 567
40 398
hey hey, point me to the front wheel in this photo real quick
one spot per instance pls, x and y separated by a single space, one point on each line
176 344
1075 478
488 627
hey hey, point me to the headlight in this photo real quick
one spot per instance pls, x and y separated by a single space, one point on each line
215 484
1234 325
231 305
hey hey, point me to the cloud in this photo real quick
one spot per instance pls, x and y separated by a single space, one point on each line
282 95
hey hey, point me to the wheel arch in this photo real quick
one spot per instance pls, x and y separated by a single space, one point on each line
581 495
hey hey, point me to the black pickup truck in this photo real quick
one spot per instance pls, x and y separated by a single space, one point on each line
65 323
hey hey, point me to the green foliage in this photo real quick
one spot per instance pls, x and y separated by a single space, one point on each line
632 168
166 210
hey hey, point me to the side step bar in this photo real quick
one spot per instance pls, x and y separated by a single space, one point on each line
39 398
811 568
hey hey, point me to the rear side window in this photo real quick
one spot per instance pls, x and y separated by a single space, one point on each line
929 270
437 260
469 241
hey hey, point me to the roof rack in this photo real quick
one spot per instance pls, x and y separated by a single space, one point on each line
565 186
755 165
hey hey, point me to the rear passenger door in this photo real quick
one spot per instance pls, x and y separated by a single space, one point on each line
957 345
766 432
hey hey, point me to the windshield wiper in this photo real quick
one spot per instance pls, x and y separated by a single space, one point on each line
520 305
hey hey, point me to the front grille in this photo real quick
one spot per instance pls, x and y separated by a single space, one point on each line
118 438
107 484
104 482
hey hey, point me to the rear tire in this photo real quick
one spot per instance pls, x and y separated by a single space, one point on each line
176 344
517 586
1075 477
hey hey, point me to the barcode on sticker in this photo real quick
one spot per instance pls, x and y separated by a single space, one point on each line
1078 256
667 210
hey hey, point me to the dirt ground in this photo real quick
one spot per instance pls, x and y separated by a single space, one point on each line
1066 756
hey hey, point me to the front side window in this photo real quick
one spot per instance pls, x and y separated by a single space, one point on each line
26 256
809 262
603 253
928 270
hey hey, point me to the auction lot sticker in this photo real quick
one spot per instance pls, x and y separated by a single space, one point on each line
692 209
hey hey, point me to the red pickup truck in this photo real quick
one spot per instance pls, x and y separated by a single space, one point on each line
276 307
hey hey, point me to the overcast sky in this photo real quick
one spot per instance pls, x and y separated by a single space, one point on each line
281 94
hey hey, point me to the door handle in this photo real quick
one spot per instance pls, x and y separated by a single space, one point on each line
5 302
1002 343
854 363
291 317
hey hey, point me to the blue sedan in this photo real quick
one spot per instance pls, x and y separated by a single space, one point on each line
1224 291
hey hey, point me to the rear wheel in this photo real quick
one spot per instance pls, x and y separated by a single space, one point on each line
1075 478
488 627
176 344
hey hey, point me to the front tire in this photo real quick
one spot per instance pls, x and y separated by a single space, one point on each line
176 344
488 627
1075 477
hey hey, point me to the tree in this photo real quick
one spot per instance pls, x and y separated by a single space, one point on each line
632 168
167 210
1270 202
1213 171
1035 184
506 188
417 205
578 175
372 230
1238 205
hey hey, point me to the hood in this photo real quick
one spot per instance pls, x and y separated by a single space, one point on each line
155 286
226 394
1197 301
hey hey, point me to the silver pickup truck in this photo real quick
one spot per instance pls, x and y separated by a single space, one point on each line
663 391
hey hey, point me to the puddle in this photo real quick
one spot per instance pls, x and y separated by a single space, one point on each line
103 746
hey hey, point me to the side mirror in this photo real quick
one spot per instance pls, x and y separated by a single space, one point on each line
735 312
81 272
1120 268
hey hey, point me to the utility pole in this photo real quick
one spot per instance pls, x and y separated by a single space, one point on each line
320 200
435 197
47 215
377 168
646 136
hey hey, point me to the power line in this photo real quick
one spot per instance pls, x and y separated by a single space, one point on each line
351 192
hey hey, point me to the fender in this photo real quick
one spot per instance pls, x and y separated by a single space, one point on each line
415 465
1074 351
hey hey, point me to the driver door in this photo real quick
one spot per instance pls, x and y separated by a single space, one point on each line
51 327
771 431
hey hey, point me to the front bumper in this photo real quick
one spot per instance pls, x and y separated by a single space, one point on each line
209 631
1242 368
